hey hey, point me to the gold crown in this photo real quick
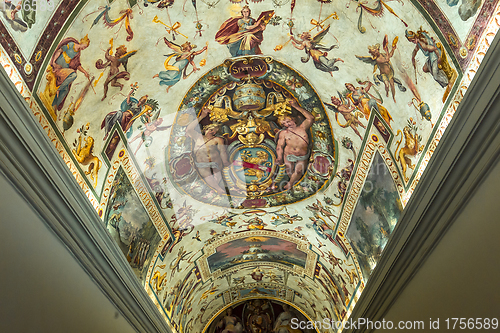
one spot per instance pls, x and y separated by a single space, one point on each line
85 40
249 96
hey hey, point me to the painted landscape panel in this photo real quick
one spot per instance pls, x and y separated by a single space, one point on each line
256 249
376 214
130 225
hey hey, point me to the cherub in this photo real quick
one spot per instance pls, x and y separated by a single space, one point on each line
322 229
382 62
346 109
293 144
366 101
285 218
151 125
225 220
114 62
254 224
184 55
178 234
318 53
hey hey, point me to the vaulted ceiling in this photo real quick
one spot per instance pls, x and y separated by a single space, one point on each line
237 153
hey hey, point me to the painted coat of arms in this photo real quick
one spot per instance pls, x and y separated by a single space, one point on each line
251 133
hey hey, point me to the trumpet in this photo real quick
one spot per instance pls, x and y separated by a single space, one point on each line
170 29
320 23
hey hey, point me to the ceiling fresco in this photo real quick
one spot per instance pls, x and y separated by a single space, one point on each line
259 315
246 155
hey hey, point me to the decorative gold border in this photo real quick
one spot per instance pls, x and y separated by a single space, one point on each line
140 188
250 298
487 38
266 285
39 116
363 167
372 145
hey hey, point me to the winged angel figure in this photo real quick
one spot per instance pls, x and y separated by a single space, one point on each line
184 55
382 62
348 111
114 62
315 50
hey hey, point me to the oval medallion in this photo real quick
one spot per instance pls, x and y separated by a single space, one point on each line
261 140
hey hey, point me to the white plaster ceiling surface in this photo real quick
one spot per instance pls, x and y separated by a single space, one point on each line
242 151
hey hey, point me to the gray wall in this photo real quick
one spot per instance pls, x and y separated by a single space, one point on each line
460 279
42 286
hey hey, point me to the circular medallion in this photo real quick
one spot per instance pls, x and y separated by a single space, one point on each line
28 68
463 52
252 141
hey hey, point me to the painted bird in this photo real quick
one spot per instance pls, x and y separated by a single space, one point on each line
197 237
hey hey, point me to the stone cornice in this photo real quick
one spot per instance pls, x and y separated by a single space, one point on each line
31 163
467 151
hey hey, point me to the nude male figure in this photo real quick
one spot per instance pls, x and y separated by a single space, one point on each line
209 151
293 144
